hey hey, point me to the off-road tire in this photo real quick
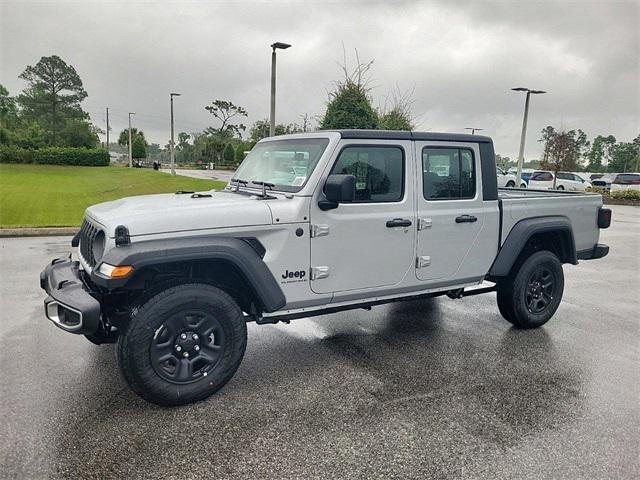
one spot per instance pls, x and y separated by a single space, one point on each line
147 319
516 294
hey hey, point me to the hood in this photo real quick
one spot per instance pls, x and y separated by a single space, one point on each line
150 214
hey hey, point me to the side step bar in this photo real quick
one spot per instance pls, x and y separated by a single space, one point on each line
454 294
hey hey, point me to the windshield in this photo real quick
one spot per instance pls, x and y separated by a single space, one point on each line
285 163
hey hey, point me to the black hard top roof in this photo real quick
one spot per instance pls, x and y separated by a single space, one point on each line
404 135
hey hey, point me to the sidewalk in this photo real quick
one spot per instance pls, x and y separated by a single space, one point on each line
38 231
221 175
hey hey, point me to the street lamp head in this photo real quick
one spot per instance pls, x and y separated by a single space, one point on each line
174 94
523 89
280 45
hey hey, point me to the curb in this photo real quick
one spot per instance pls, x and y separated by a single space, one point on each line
621 201
38 232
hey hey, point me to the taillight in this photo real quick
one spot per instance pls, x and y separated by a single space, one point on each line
604 218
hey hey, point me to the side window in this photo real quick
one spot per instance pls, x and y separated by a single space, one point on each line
379 172
448 173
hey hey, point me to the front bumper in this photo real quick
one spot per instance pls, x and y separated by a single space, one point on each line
69 304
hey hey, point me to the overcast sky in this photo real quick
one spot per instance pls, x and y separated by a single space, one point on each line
461 58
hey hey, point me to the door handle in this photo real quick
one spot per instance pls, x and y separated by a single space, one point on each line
466 219
398 222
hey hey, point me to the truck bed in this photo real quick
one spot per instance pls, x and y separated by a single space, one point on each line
581 208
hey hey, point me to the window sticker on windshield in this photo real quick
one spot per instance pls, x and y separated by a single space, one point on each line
298 181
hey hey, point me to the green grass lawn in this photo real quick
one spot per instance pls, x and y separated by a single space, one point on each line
56 196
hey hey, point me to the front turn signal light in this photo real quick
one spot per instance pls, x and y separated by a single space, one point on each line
112 271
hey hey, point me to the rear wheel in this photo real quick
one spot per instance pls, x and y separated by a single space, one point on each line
530 296
183 344
511 184
560 187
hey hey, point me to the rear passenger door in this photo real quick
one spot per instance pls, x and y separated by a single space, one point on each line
450 212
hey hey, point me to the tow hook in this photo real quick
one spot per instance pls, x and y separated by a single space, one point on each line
455 294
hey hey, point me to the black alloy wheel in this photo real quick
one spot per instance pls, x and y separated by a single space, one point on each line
187 346
540 290
182 343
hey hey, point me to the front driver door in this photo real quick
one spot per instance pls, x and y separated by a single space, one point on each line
370 242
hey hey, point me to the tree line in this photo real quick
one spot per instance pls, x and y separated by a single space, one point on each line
48 113
572 151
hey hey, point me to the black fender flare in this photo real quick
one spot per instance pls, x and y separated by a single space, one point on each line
520 234
233 250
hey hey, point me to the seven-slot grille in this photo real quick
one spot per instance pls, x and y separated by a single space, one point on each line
88 234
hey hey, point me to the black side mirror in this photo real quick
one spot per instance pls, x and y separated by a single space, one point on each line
338 189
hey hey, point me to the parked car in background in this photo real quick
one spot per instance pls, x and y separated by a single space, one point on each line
604 181
526 173
595 176
613 182
564 181
507 179
583 175
626 181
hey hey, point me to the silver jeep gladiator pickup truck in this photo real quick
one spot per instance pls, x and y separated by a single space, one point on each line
311 224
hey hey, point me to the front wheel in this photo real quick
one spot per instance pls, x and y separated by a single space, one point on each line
530 296
183 344
511 184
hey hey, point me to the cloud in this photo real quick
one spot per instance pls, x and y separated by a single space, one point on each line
462 58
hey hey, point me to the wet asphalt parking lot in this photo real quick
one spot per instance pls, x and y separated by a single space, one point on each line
428 389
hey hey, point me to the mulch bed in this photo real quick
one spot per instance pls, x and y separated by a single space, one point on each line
621 201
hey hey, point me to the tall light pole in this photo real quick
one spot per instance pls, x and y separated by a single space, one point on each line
107 129
173 155
524 128
274 46
473 129
130 156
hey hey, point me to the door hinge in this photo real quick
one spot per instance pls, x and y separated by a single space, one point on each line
424 223
319 272
319 230
423 261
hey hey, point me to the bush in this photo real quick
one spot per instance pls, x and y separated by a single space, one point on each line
626 194
95 157
617 194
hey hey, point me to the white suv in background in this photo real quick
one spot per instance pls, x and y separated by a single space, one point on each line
564 181
612 182
508 179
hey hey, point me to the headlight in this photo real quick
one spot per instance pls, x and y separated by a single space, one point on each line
114 271
98 246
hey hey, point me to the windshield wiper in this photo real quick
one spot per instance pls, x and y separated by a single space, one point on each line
264 187
238 182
